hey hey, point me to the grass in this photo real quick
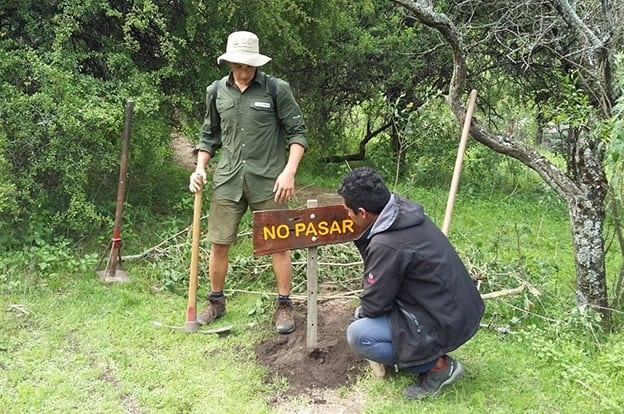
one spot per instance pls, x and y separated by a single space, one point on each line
71 344
90 347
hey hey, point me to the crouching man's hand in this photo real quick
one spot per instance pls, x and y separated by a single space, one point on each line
357 314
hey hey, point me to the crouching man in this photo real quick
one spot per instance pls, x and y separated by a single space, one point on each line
418 301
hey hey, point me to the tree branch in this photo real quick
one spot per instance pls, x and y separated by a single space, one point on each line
361 154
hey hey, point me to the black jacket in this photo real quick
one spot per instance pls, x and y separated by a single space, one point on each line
413 273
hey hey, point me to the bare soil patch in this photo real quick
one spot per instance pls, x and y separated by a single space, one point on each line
312 372
183 151
324 196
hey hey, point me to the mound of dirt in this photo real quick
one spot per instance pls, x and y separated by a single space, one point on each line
330 365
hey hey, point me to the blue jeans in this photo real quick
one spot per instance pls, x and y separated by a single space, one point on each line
372 338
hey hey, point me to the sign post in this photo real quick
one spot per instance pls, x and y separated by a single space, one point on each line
312 283
280 230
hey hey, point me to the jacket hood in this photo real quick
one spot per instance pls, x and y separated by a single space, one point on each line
398 214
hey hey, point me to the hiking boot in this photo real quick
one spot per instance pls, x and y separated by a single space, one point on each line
432 382
214 310
379 369
284 319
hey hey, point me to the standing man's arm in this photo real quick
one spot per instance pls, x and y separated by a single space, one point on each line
209 139
284 188
291 119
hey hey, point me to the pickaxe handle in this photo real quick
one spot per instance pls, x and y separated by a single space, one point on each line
191 308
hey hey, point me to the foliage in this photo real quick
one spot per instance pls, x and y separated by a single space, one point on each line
67 70
615 145
8 204
40 264
62 117
540 43
428 139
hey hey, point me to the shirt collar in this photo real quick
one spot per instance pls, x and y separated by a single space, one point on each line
385 218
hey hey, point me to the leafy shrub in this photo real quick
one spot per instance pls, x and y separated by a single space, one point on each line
425 145
30 267
66 71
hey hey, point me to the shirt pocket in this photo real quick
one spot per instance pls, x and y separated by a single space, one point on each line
263 113
224 105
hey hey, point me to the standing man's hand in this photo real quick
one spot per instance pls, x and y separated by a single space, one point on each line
197 181
284 187
198 178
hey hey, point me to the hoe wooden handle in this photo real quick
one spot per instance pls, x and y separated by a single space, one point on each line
458 162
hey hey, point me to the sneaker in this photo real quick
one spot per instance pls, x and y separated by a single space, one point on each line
379 369
432 382
214 310
284 319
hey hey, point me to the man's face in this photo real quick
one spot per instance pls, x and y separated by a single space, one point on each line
359 217
243 74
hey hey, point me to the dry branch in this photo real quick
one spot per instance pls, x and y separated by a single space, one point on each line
18 308
156 250
511 292
354 294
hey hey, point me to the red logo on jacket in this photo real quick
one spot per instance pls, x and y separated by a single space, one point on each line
370 279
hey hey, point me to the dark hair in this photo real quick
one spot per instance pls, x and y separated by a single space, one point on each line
364 188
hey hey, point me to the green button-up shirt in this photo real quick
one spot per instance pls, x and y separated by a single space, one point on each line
245 127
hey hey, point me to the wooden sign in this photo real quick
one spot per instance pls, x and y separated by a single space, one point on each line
279 230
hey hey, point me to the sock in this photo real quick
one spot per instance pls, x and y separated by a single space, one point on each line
215 295
443 367
283 298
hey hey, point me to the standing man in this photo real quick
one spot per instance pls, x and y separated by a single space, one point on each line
256 123
418 301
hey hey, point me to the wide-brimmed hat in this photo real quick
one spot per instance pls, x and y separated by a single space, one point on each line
243 47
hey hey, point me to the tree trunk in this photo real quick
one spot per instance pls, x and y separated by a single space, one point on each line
587 222
587 216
